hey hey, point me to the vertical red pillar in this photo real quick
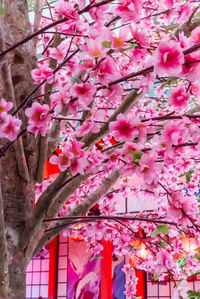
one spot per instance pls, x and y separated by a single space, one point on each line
141 284
52 268
106 270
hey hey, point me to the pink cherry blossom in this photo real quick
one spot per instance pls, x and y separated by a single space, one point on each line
59 100
196 35
113 92
129 10
185 12
148 168
190 68
164 261
169 3
84 92
66 9
3 120
140 37
41 74
78 165
146 82
63 160
84 128
5 106
106 71
38 118
179 97
123 128
119 41
94 48
168 58
195 89
11 127
181 291
75 148
172 133
98 13
59 52
183 40
182 204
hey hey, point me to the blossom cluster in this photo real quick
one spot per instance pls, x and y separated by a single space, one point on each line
122 85
9 125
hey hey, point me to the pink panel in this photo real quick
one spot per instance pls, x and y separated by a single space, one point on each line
62 289
44 291
28 292
62 263
35 291
62 275
45 265
63 249
36 278
44 277
36 265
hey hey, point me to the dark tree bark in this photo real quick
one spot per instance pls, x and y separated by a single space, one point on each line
18 166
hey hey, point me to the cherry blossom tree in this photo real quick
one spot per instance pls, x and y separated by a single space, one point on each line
114 85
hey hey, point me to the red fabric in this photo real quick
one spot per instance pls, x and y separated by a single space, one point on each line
51 168
52 268
140 284
106 270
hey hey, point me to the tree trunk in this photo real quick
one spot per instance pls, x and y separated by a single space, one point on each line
18 186
17 277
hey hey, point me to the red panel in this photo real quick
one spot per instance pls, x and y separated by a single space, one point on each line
106 270
52 268
51 168
112 141
140 284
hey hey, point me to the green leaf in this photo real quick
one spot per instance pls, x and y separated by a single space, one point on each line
181 262
164 229
195 273
132 46
197 256
193 294
96 257
154 233
188 175
136 155
163 244
155 276
106 44
2 11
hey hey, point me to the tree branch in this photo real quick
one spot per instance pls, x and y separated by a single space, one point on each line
8 92
83 207
130 100
38 14
4 278
32 36
43 143
187 27
52 200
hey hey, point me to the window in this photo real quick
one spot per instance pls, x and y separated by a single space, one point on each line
37 275
164 289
